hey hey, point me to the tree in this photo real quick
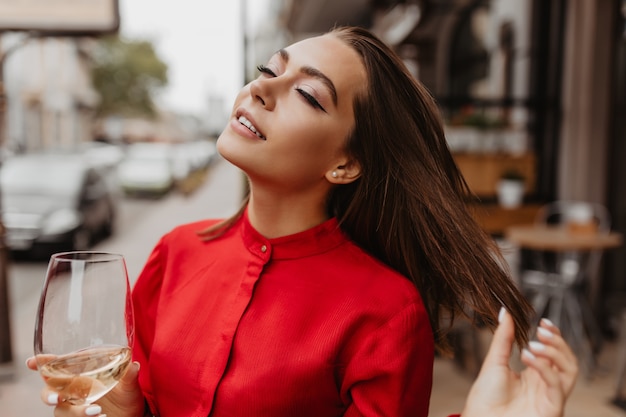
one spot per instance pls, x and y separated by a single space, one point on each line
127 74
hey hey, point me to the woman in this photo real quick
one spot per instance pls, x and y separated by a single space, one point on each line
327 294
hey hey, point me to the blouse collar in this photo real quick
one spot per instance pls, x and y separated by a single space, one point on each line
318 239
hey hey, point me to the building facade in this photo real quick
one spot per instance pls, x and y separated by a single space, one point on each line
50 98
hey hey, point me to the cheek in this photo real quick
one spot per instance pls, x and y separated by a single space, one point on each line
308 136
308 154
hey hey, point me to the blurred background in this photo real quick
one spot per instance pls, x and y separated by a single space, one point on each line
109 111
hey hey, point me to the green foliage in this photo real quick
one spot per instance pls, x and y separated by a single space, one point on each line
478 118
127 74
512 174
483 121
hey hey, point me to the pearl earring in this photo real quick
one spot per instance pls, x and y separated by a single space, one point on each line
334 174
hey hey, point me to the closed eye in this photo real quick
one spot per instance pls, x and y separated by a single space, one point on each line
265 70
308 97
312 100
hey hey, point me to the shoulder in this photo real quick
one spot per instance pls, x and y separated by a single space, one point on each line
360 279
193 227
188 233
184 238
372 272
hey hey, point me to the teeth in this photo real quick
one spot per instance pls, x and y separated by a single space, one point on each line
250 126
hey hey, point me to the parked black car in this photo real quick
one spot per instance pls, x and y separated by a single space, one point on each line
54 201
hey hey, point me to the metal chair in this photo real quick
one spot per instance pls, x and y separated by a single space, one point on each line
562 284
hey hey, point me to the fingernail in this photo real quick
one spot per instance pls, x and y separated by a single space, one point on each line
536 346
528 354
27 360
544 332
53 399
548 322
137 364
501 314
93 410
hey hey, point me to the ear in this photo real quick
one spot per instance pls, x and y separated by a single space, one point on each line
344 174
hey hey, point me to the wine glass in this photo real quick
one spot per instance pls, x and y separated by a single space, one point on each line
84 328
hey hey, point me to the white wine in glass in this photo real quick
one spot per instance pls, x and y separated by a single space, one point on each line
84 327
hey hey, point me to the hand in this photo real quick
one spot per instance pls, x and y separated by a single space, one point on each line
124 400
540 390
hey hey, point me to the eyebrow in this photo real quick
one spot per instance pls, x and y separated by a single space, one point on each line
315 73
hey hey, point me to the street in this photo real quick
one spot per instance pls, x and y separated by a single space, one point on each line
139 225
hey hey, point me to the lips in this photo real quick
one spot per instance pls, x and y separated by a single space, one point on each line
245 121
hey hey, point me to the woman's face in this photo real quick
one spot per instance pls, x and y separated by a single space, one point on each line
289 127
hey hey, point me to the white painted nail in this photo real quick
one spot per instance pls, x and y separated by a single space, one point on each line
548 322
93 410
528 354
501 314
536 346
53 399
544 332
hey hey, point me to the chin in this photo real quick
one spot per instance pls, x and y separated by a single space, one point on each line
222 146
227 148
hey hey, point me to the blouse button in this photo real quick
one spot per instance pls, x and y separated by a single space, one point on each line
263 248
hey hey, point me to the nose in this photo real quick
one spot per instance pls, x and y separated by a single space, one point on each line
262 91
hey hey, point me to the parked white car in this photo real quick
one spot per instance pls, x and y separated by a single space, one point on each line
147 169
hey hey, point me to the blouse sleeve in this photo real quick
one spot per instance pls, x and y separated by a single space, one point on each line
146 294
391 373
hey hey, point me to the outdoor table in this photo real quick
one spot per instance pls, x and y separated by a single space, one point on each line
560 291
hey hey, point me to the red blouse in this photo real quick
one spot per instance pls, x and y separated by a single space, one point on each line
302 325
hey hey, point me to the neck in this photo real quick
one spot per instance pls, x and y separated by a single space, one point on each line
275 216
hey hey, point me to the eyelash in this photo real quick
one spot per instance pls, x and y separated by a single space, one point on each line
265 70
308 97
312 101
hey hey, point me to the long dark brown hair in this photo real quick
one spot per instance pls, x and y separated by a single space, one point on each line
409 207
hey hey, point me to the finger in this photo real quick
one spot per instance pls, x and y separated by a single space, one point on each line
554 348
67 410
542 352
93 410
31 363
551 336
548 325
50 397
548 374
547 328
130 382
36 361
544 367
502 343
566 355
